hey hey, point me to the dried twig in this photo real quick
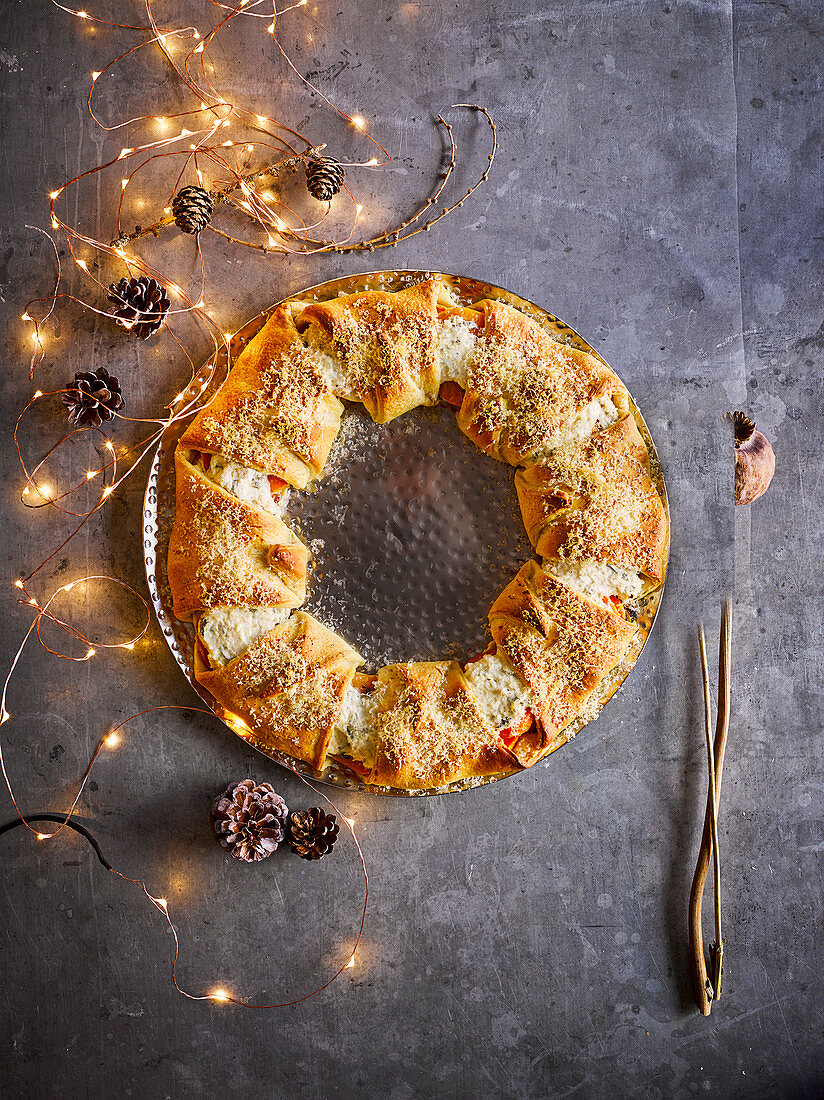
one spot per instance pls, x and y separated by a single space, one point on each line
708 989
222 194
391 237
404 230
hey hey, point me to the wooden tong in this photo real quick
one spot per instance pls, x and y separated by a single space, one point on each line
708 989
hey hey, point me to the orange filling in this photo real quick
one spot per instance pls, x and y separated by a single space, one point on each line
510 734
615 604
452 394
353 765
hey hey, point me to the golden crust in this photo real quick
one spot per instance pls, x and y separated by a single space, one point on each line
561 643
430 730
595 501
524 389
274 411
288 686
388 343
224 552
523 386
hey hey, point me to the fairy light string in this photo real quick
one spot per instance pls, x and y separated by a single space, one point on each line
111 738
161 904
257 205
220 113
213 140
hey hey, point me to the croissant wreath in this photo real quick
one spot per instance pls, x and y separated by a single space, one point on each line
564 624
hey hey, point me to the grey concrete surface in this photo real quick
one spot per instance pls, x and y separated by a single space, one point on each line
658 187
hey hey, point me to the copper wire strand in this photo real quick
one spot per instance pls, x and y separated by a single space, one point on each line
158 37
45 609
287 231
65 821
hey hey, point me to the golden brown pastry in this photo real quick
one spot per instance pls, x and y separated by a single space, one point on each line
274 412
594 500
524 387
588 503
387 344
288 686
225 552
562 644
430 730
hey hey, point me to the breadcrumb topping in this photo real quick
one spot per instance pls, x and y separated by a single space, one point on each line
562 643
430 727
527 399
595 500
523 386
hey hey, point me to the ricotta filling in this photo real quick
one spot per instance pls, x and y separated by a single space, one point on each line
328 363
456 349
600 413
500 693
229 631
596 579
355 733
243 482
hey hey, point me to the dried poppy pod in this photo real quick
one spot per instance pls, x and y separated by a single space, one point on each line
754 460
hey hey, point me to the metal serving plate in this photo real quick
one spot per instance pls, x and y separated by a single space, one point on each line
413 532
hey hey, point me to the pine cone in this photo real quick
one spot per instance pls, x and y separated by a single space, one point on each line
192 208
324 177
312 833
249 820
141 305
92 397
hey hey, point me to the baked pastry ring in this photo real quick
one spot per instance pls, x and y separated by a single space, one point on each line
560 627
431 731
562 643
388 342
524 387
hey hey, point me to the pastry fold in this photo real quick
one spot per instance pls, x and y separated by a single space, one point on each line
224 552
562 644
274 411
287 688
595 500
387 344
524 387
430 730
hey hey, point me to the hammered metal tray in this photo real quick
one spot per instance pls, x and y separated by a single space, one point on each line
413 532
